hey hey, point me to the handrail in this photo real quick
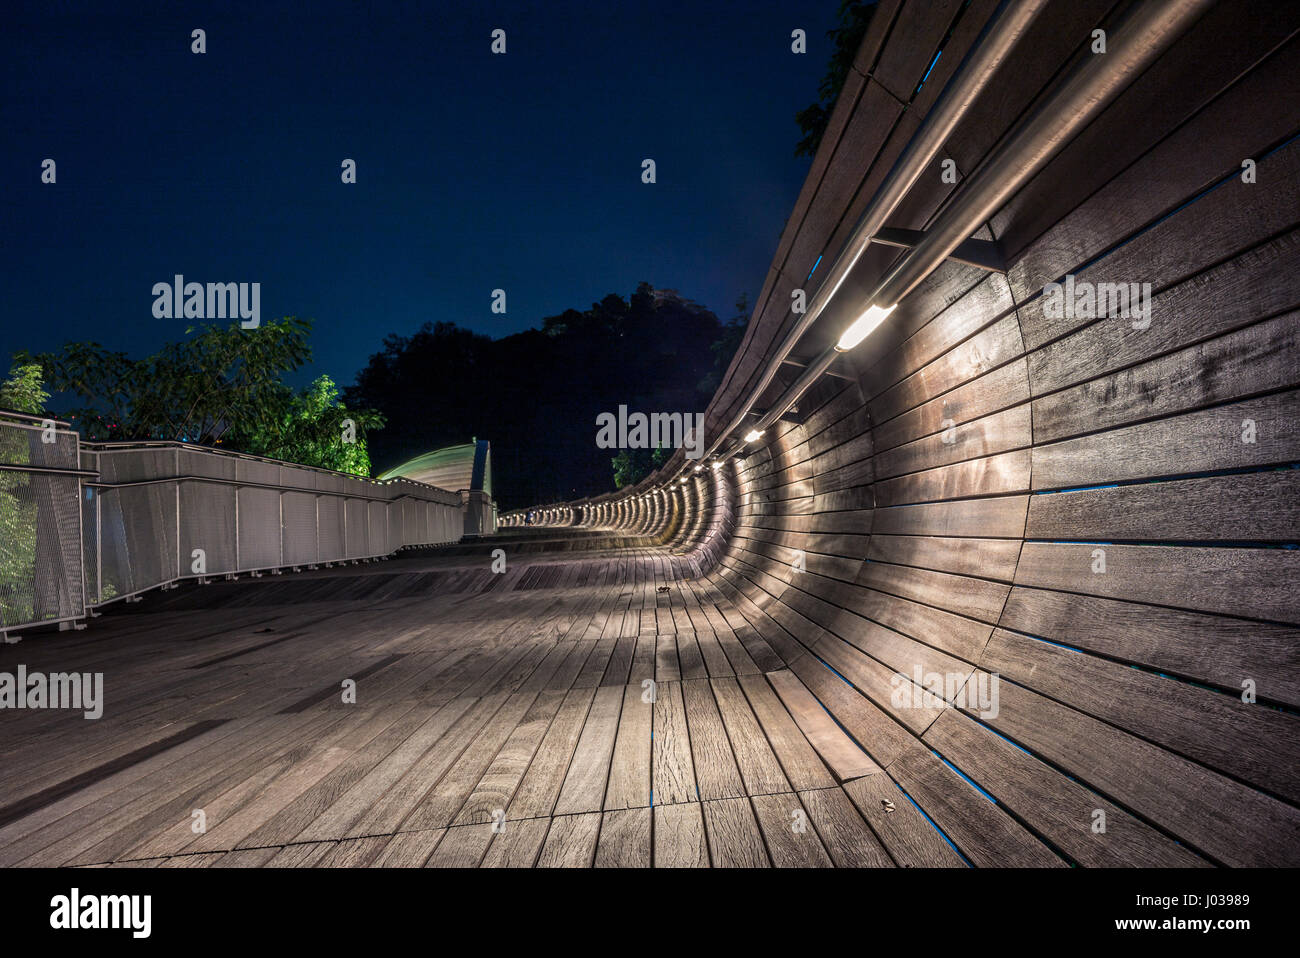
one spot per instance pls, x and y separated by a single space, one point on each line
1007 26
47 470
32 417
1145 31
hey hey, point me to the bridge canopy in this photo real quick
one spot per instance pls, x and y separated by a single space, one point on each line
466 466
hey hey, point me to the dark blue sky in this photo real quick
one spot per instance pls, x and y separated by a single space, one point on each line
475 171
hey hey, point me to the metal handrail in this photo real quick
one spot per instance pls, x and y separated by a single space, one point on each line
1145 31
999 36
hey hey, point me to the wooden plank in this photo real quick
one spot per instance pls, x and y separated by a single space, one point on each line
758 765
673 773
1255 359
462 846
666 666
1257 745
588 773
517 844
352 852
912 841
792 840
1000 517
349 814
620 662
847 838
1204 441
735 840
1207 648
845 760
1167 790
440 804
624 839
1253 583
715 767
571 841
389 808
204 860
246 858
1259 507
799 760
409 849
690 658
715 659
1060 809
629 771
679 836
497 787
540 787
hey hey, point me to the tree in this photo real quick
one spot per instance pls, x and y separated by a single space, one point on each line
195 390
220 385
23 391
315 429
443 384
855 17
724 347
633 465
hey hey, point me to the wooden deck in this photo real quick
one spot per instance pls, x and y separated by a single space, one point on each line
500 720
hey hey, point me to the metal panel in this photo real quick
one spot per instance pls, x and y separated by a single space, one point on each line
40 526
356 540
377 516
259 528
330 535
207 523
299 530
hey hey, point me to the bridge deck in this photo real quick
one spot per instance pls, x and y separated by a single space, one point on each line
499 720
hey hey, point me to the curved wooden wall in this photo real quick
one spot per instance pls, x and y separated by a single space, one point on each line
1104 517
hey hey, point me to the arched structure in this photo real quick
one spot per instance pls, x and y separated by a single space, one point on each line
465 469
1096 511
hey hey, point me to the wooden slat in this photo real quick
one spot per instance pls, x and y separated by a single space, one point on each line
839 752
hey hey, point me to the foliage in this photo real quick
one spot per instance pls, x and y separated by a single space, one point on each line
633 465
724 347
312 429
24 390
443 384
221 385
855 16
195 390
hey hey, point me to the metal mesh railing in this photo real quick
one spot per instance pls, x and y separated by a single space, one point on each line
82 524
40 522
167 511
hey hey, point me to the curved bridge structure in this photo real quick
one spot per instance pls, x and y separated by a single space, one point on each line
1009 581
1099 510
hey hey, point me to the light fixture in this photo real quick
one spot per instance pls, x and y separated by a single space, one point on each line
717 464
699 467
753 434
862 327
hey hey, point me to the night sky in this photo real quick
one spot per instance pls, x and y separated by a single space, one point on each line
474 171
